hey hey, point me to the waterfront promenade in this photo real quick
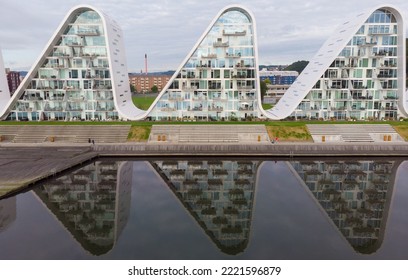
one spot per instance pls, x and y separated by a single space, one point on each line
255 150
22 165
29 154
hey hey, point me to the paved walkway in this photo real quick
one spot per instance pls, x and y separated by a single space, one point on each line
21 166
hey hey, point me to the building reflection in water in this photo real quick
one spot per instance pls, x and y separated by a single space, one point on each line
92 202
218 194
356 196
8 212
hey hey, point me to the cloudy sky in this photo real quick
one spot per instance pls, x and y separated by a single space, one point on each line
167 30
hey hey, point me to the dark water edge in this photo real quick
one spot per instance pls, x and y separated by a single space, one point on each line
211 208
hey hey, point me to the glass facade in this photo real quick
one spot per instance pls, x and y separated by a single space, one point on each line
218 194
219 79
91 203
354 194
362 82
73 81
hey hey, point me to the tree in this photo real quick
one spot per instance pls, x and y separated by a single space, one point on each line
132 88
155 89
297 66
264 87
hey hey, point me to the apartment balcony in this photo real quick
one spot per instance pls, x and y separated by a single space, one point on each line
104 109
239 76
358 86
232 55
245 87
189 87
33 98
220 99
96 77
101 98
63 55
191 76
196 108
71 88
380 54
366 44
73 44
209 56
220 44
379 32
199 98
88 33
362 97
243 66
385 77
58 67
53 109
246 108
166 109
203 66
92 55
102 87
75 109
388 65
358 109
234 33
352 65
217 109
176 98
76 99
390 108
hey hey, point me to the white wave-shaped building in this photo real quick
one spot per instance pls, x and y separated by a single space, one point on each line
359 73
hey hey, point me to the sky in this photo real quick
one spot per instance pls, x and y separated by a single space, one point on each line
166 30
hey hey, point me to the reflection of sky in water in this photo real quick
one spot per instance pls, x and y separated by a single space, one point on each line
287 223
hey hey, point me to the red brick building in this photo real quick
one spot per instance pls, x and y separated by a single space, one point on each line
13 80
143 83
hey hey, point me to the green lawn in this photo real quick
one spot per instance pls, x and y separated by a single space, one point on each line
267 106
143 102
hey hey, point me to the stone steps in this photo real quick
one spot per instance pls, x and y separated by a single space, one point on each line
353 132
357 138
208 133
65 133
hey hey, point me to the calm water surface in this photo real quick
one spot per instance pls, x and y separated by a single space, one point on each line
213 209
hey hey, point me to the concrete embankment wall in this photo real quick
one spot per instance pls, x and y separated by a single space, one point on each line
281 150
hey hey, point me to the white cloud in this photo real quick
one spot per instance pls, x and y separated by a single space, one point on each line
167 30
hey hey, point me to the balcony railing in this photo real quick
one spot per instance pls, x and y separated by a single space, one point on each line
88 32
167 109
234 33
212 55
220 44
